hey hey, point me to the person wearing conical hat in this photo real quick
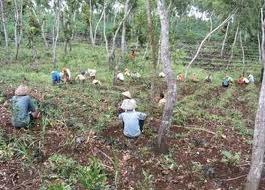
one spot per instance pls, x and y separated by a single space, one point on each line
23 108
128 97
132 121
81 77
120 77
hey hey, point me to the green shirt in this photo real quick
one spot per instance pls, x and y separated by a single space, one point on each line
21 108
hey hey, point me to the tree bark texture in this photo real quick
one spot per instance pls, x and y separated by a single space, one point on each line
56 28
18 25
258 147
233 46
243 51
123 35
90 23
224 41
4 22
171 83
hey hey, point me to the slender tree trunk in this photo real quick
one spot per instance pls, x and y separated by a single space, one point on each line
258 148
171 83
211 26
73 31
123 35
18 26
224 41
243 51
56 28
104 32
44 36
96 28
202 42
42 29
112 51
91 23
4 22
152 45
233 46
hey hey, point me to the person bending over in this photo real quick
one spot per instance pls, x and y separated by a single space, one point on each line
23 108
56 78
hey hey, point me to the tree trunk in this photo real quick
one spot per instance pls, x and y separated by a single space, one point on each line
90 23
202 42
258 148
211 26
42 29
123 35
96 28
73 31
153 47
170 79
223 44
4 22
104 32
56 28
243 52
233 46
112 50
43 35
18 26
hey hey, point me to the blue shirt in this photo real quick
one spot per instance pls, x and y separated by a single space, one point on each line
21 107
131 122
55 76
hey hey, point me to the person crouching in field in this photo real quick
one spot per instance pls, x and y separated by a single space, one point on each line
81 77
242 80
66 75
56 78
23 108
227 80
132 121
128 97
251 78
180 77
162 100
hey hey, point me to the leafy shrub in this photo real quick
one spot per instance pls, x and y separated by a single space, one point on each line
230 158
92 177
63 166
58 186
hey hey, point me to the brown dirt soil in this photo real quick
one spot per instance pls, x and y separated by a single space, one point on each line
194 160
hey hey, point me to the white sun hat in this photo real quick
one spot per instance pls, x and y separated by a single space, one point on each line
96 82
22 90
128 104
127 94
162 75
120 76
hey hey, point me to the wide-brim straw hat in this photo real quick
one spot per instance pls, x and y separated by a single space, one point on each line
128 104
127 94
22 90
